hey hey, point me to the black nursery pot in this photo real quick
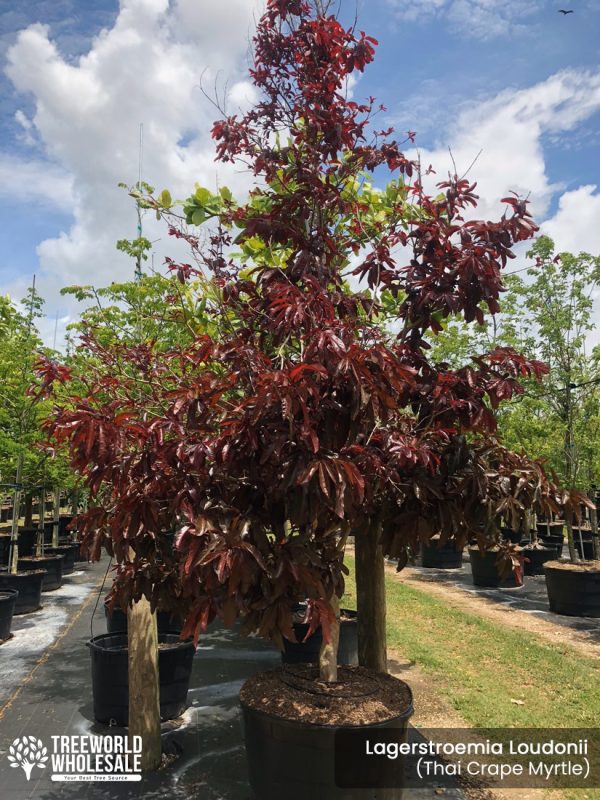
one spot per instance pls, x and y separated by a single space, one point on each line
29 587
584 548
511 536
553 541
64 521
27 538
307 652
68 552
110 684
485 571
441 556
296 760
8 601
116 622
536 557
572 592
4 548
553 529
51 564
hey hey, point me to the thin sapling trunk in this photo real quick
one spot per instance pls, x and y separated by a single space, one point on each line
56 521
328 656
14 528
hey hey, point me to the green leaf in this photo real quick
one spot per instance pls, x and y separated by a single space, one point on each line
203 196
198 216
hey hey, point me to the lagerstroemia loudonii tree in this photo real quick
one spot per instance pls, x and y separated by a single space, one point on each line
295 418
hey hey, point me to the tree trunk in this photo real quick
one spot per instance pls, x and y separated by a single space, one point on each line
370 593
56 521
594 524
570 540
28 511
14 528
328 655
144 697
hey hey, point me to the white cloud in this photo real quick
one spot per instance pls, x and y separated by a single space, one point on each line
36 181
480 19
509 131
148 68
575 227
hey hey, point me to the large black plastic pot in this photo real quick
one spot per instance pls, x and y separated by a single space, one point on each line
29 587
536 557
553 541
307 652
64 521
573 592
441 556
296 760
27 538
584 548
116 622
553 529
68 552
51 564
511 535
4 513
110 684
485 570
4 548
8 600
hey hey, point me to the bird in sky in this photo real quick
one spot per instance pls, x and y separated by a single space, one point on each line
562 11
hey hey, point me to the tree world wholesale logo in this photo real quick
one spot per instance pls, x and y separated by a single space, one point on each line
80 758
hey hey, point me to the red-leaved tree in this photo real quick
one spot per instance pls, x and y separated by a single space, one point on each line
299 417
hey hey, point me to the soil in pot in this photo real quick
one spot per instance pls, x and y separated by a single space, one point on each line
116 622
8 600
29 587
536 557
51 564
573 589
110 681
485 571
307 652
291 720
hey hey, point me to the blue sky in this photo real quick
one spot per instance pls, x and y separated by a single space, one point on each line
516 80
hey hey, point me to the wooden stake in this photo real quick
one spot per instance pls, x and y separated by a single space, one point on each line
144 691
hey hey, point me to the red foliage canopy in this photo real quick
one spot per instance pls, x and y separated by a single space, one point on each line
302 419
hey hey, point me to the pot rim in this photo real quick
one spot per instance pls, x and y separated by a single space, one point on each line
93 642
406 715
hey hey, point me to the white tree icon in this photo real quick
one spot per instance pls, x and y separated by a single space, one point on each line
27 752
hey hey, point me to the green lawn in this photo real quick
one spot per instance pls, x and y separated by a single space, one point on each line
481 666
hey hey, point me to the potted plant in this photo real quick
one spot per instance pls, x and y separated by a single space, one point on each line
441 554
8 601
294 416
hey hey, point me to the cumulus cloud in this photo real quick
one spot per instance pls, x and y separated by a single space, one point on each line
479 19
505 135
147 68
36 181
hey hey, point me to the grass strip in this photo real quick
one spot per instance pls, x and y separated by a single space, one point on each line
483 666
